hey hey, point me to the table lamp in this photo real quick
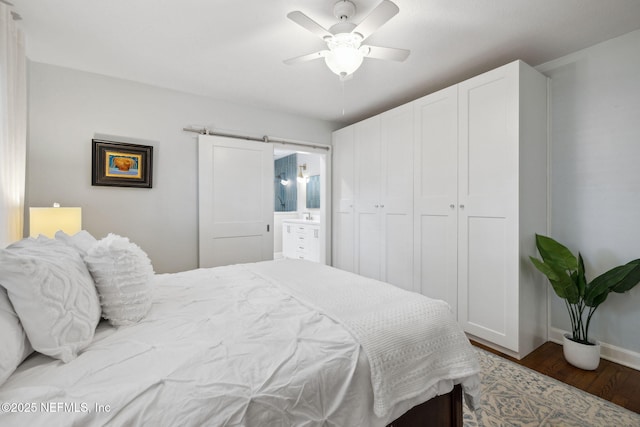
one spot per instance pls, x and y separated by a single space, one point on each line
47 221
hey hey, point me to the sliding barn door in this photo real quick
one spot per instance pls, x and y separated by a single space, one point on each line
235 198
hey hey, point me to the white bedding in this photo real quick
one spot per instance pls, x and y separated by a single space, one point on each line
222 347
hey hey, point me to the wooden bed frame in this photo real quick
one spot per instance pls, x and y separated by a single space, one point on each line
445 410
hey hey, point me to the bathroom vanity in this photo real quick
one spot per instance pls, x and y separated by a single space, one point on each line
301 239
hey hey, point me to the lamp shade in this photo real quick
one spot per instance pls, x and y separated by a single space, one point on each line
47 221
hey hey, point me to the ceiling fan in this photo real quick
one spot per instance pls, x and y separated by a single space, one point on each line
344 39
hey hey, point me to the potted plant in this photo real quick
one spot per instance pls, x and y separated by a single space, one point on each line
567 277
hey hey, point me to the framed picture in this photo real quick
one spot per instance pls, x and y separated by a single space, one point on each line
121 165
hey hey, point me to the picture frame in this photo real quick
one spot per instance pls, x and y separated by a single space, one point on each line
119 164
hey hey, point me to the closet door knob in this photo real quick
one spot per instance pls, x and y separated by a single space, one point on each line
377 206
461 206
452 206
382 206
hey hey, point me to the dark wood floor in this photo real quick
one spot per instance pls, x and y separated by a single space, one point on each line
612 382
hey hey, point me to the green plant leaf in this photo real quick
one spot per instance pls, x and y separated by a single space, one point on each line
555 254
596 300
562 284
631 279
607 282
566 273
581 279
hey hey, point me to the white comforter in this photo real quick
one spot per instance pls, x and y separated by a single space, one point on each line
228 346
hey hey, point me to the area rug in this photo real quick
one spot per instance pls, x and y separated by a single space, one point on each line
513 395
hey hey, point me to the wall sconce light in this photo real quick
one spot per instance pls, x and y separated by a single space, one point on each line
302 177
283 179
47 221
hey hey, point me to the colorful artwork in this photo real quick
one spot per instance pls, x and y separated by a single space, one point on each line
121 165
124 165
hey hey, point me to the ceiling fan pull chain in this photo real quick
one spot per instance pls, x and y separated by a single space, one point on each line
343 97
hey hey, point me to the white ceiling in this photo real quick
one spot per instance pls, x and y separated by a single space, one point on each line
233 50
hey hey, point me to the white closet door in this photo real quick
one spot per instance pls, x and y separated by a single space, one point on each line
488 206
396 196
367 206
436 196
343 202
235 198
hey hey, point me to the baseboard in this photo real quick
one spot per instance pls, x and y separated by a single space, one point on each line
609 352
494 346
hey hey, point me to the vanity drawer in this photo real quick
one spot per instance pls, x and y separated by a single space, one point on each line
301 241
301 230
311 232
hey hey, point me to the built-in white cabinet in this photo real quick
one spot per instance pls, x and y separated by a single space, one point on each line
343 241
383 208
396 189
436 196
502 203
301 240
476 172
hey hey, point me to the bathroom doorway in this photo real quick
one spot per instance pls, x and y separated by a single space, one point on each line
301 189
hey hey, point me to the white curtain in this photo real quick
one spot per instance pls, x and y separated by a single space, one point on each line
13 128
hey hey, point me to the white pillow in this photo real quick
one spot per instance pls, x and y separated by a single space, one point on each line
51 290
122 272
81 241
15 345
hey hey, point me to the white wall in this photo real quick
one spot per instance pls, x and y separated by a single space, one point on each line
67 108
595 174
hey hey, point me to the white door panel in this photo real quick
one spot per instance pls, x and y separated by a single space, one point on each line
368 244
343 190
436 196
437 279
396 196
235 190
398 250
367 198
488 207
235 250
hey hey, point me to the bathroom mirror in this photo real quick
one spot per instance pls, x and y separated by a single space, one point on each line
313 192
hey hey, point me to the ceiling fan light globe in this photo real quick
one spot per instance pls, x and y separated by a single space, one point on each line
344 60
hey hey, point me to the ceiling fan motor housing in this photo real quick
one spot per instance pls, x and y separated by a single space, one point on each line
344 9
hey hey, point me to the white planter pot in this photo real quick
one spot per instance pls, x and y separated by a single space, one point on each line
582 356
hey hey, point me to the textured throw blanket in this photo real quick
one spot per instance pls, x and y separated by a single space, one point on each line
413 343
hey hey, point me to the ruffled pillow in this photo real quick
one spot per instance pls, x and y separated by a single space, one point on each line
52 293
122 273
15 345
82 241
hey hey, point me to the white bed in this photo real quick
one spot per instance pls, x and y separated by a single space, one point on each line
265 344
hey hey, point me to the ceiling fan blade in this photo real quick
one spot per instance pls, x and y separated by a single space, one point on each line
377 18
305 58
388 53
309 24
